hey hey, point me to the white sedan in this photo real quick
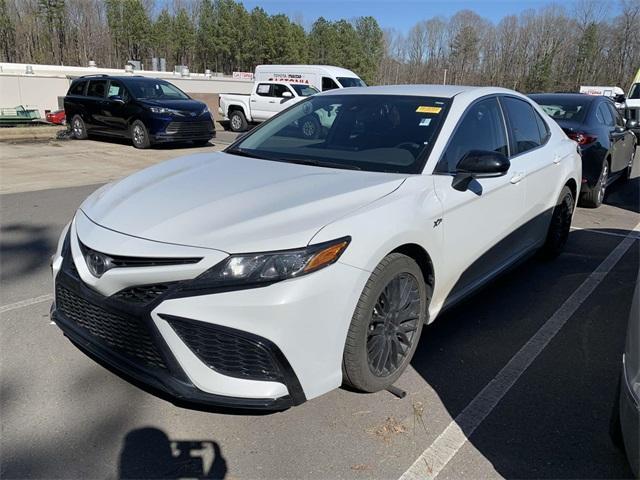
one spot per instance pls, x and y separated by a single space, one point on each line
283 267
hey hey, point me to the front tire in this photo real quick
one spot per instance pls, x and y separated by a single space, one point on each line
237 121
560 225
140 135
78 128
594 197
386 325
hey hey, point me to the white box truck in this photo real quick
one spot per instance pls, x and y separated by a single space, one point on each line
323 77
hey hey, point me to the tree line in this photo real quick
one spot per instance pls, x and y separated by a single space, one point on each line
553 48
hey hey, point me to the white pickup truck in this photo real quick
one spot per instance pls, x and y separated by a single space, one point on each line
266 99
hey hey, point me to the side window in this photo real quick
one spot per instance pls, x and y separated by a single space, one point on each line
523 124
97 88
543 128
481 128
617 118
328 84
603 115
77 88
264 90
116 89
279 89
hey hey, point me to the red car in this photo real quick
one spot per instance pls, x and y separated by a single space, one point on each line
57 117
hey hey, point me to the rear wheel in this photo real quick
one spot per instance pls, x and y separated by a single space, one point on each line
78 128
560 224
386 325
140 135
237 121
593 198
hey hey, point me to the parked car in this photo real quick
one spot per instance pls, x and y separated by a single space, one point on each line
606 143
626 414
57 118
322 77
145 110
265 100
272 272
632 107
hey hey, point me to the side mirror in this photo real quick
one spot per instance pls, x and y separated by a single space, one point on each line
116 99
632 124
479 164
287 95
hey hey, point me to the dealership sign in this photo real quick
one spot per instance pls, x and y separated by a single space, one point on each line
243 75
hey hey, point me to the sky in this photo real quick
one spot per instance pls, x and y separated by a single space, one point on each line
400 15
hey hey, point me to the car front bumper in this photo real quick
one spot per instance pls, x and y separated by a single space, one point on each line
267 348
174 129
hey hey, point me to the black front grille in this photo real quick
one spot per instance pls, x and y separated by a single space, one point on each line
143 294
226 352
190 129
125 334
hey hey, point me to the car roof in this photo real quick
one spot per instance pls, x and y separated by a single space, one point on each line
124 78
328 69
442 91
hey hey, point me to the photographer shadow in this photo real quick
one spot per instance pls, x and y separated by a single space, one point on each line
148 453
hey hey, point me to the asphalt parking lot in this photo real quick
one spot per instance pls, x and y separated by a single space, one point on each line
64 416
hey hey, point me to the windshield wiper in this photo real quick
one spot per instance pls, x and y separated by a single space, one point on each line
321 163
243 153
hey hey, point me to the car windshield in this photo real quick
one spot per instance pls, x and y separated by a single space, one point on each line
157 90
563 108
351 82
304 90
380 133
634 94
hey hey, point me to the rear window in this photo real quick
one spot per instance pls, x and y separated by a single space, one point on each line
567 108
77 88
97 88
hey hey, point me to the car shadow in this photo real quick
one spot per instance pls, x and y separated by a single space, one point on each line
149 453
24 248
624 195
156 146
554 422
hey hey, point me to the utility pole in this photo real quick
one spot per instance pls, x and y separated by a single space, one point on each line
444 81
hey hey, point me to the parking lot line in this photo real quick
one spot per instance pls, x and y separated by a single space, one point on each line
632 234
25 303
431 462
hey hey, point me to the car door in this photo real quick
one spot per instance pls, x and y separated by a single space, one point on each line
537 162
616 136
481 223
625 141
115 107
261 101
96 92
280 102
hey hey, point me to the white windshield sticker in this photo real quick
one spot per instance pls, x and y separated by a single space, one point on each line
424 122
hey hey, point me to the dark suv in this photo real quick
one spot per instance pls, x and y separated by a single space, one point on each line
146 110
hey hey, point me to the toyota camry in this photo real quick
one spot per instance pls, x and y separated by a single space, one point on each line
285 266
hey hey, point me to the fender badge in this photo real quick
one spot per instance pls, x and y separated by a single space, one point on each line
437 222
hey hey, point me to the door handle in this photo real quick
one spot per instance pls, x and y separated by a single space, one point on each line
253 101
557 159
517 178
272 101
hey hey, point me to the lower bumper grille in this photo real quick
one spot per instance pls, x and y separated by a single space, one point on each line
227 352
126 334
190 129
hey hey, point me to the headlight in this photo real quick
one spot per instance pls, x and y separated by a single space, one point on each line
170 111
255 269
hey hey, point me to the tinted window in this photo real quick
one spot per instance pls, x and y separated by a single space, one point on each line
97 88
481 128
603 115
617 118
116 89
524 127
279 89
77 88
328 84
382 133
264 90
634 94
543 128
154 89
562 107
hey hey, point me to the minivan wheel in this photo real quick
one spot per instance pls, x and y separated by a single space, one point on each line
78 128
560 224
237 121
139 135
386 325
594 197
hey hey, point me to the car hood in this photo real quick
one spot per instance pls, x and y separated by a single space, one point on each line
181 105
234 204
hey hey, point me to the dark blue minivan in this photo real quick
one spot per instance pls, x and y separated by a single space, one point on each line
145 110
